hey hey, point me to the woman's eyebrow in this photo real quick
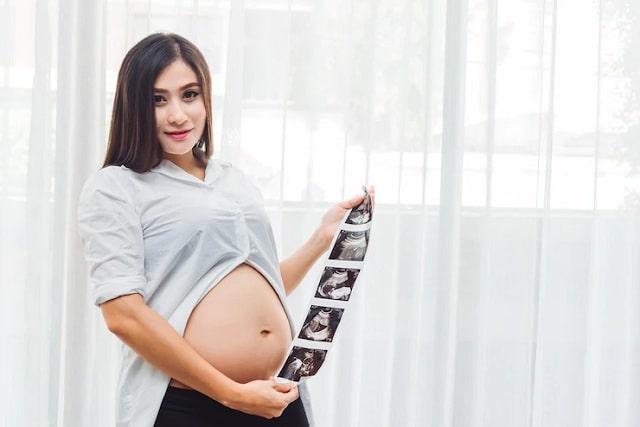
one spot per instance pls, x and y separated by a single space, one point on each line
187 86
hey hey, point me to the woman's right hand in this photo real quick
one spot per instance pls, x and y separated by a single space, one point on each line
265 398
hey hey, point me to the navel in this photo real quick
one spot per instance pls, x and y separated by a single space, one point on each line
265 332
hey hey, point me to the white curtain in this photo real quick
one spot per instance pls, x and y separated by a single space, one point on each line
502 281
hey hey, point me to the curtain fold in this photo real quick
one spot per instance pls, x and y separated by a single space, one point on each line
85 376
446 315
501 287
36 296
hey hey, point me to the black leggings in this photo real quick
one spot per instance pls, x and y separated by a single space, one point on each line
189 408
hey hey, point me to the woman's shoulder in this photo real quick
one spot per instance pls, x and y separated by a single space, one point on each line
220 163
217 168
231 168
109 180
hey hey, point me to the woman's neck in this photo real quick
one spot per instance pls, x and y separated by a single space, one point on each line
189 163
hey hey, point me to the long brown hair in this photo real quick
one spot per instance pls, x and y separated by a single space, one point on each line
132 137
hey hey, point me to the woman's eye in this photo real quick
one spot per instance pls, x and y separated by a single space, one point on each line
190 94
158 99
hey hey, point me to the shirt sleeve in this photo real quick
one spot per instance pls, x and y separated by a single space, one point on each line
111 233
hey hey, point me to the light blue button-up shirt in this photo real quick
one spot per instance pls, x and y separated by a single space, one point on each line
171 238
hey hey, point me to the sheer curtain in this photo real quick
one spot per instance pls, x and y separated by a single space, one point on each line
501 287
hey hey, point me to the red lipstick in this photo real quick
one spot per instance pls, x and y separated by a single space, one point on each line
181 134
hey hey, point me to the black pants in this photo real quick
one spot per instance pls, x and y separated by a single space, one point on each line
189 408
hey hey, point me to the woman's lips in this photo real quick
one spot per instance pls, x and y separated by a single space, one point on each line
182 134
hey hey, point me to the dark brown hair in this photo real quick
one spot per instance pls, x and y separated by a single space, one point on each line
132 137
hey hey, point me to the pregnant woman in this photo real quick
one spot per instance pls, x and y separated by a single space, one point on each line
182 259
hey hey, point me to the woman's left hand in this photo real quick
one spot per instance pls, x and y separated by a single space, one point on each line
294 267
333 217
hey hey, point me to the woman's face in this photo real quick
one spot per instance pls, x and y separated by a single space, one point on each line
179 107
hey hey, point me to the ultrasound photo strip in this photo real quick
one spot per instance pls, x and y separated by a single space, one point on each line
336 283
332 295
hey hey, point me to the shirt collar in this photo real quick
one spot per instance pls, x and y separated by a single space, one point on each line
211 172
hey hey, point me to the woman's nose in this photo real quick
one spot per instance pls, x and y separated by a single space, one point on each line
176 114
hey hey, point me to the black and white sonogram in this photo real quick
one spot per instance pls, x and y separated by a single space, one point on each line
321 323
332 295
337 283
361 214
302 363
350 245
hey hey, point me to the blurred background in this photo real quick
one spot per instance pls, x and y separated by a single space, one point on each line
501 285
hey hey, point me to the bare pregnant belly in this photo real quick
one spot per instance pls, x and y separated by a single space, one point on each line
240 327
